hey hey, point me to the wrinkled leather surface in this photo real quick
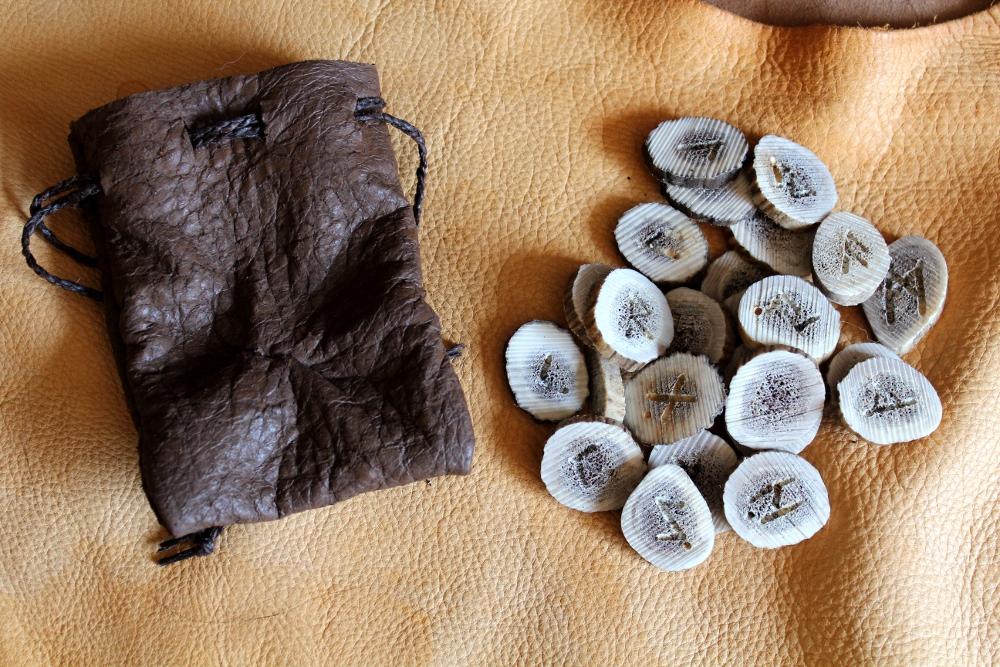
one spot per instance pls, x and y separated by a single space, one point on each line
274 338
535 113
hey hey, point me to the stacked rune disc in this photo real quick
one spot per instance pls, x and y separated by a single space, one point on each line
687 433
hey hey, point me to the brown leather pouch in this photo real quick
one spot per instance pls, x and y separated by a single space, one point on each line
262 284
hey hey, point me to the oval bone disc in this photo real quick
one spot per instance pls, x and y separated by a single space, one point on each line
790 184
695 152
673 398
885 401
850 258
662 243
722 206
546 371
910 299
592 465
775 402
700 325
577 292
784 251
607 389
708 460
785 310
667 521
848 358
628 319
731 273
775 499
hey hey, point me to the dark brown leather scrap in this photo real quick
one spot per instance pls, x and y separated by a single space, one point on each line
264 298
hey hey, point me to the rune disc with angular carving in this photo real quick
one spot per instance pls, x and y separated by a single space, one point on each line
708 460
628 319
695 152
850 258
848 358
775 402
885 401
662 243
783 250
577 292
910 299
723 206
785 310
790 184
546 371
673 398
775 499
592 464
667 521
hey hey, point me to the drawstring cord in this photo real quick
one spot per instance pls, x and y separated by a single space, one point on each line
201 543
370 108
71 192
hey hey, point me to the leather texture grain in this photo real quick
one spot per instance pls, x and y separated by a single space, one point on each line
535 113
264 298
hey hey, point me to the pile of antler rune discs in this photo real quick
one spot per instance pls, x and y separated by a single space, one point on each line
660 363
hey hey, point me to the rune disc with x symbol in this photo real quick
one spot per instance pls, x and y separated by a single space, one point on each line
672 398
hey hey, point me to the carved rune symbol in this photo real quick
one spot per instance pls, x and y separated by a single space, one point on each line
886 400
546 379
803 319
777 510
635 319
674 532
588 465
898 284
673 398
660 242
794 182
709 146
856 250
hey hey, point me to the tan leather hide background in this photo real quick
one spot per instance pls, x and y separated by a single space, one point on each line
535 112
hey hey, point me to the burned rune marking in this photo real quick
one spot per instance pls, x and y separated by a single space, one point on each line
547 375
710 147
900 284
548 380
855 250
634 318
792 180
779 510
804 319
660 242
886 400
587 464
674 532
671 399
543 372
